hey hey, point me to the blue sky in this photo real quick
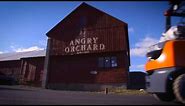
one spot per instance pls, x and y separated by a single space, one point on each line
23 25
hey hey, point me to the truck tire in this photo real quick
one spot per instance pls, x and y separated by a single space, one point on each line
179 88
163 97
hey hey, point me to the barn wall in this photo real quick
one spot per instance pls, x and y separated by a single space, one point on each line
99 40
77 69
32 70
79 40
11 68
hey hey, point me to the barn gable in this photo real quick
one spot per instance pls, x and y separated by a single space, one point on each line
84 16
88 25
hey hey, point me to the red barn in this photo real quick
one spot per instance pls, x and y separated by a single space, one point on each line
25 67
88 49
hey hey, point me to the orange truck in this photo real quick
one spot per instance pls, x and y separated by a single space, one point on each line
165 66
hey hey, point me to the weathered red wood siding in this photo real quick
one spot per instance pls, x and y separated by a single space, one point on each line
109 30
11 68
31 70
87 22
77 69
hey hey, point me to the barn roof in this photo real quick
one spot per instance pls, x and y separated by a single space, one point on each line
19 55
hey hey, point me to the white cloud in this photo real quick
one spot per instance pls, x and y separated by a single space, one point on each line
5 51
147 41
140 48
137 68
131 29
20 49
17 48
34 48
138 52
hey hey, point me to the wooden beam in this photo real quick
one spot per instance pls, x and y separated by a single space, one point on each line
46 65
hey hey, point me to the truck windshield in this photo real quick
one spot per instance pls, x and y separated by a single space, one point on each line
154 51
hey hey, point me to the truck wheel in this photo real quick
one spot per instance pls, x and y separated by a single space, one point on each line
179 88
163 96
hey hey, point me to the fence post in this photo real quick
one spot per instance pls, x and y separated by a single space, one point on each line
106 90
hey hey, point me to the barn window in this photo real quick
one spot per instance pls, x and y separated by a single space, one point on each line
107 62
114 62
